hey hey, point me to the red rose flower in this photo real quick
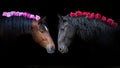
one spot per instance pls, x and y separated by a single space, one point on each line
78 13
98 16
114 24
84 13
103 18
91 16
72 14
109 21
88 13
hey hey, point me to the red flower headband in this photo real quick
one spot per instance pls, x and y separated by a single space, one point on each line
96 16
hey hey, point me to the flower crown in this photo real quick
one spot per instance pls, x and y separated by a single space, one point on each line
24 14
96 16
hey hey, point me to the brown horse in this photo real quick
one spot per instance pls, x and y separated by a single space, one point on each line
42 37
19 25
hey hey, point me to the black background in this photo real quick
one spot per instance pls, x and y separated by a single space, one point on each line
29 53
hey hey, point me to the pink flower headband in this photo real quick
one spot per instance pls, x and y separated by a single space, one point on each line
24 14
96 16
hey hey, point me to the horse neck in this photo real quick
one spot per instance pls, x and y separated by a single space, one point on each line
1 31
17 33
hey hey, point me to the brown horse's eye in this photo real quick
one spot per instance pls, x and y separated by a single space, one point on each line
42 31
43 28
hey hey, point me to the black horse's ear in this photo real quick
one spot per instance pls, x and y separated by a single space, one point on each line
60 16
44 18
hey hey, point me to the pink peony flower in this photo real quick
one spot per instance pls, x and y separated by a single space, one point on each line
84 13
88 13
28 15
4 14
12 13
98 16
32 16
37 17
20 13
103 19
114 24
25 14
8 15
16 14
78 13
91 16
72 14
109 21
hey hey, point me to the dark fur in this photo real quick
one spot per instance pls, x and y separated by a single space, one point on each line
89 29
14 26
92 31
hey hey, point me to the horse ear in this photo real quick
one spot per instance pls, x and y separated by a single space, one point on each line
60 16
42 19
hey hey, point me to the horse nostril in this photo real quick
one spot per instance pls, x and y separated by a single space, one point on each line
53 48
50 49
60 49
63 49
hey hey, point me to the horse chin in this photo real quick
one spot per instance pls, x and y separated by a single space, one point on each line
65 51
50 49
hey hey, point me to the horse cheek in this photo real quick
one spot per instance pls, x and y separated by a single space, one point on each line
37 37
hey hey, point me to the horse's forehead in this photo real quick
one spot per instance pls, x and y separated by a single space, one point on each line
65 17
35 21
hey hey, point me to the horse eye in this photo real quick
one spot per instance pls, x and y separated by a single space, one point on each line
64 20
62 29
41 31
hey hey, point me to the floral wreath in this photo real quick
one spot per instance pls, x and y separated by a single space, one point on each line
24 14
96 16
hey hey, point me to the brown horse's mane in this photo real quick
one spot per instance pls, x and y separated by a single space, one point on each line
14 26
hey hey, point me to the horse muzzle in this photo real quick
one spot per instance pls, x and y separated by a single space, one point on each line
50 49
62 48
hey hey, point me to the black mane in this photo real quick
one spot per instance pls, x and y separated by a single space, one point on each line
89 28
14 26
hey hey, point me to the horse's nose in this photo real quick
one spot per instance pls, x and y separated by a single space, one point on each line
63 49
50 49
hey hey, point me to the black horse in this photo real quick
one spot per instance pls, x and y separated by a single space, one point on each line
89 28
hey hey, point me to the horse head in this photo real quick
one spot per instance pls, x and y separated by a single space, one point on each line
42 36
65 34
